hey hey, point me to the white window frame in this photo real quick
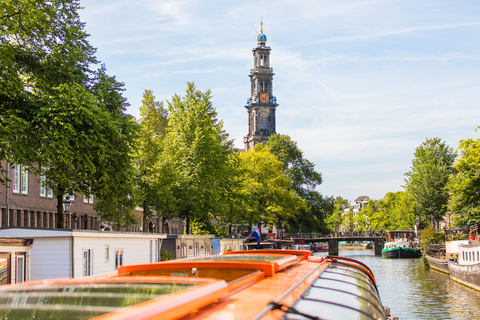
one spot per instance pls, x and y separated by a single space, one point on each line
88 198
20 269
118 257
16 178
44 190
87 262
24 180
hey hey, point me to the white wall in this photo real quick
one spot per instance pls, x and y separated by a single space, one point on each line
135 251
50 258
59 253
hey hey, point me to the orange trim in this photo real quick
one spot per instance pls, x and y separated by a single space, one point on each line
303 253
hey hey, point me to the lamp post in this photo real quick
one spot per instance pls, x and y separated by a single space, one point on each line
67 205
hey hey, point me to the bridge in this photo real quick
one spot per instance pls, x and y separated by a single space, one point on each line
333 242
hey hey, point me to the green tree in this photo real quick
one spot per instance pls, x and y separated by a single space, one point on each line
153 123
464 185
71 119
42 46
427 178
336 219
195 158
395 211
304 181
267 192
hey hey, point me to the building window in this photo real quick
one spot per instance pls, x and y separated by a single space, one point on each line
45 191
263 86
118 258
107 254
20 179
20 269
87 262
88 198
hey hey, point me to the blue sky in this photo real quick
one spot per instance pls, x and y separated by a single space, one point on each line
360 84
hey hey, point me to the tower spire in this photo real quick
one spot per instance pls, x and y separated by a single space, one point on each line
262 103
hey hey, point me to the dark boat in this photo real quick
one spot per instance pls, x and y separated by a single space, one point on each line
435 256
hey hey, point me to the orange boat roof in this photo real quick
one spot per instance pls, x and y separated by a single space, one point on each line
259 284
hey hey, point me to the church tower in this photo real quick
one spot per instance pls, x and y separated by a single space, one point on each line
261 104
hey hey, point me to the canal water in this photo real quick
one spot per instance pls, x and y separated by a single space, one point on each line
411 292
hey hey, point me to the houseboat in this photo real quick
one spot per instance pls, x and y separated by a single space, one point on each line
67 253
466 269
258 284
436 257
400 245
300 244
320 247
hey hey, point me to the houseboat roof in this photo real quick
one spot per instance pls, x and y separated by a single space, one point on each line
258 284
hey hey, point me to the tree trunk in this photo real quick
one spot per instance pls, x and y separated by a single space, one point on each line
60 211
144 227
187 223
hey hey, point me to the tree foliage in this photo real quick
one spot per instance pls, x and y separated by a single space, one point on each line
336 219
194 164
153 124
427 178
304 179
394 211
267 192
63 120
464 184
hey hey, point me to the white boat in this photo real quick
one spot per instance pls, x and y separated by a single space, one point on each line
466 270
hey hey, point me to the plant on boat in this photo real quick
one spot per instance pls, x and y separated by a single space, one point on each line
166 255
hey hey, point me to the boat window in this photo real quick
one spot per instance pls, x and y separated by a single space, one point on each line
214 273
81 300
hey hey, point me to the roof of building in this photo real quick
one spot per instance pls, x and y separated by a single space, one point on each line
362 198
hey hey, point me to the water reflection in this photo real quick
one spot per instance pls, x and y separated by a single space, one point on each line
411 292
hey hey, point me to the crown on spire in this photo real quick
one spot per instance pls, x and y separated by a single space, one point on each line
261 39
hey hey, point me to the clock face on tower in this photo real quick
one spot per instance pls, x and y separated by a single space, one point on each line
264 97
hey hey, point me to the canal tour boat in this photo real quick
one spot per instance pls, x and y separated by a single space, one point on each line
257 284
400 245
466 270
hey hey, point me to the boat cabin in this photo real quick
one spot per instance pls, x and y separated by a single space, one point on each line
401 235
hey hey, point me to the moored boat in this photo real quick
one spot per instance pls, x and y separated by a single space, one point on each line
258 284
401 245
439 264
320 248
466 268
436 257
